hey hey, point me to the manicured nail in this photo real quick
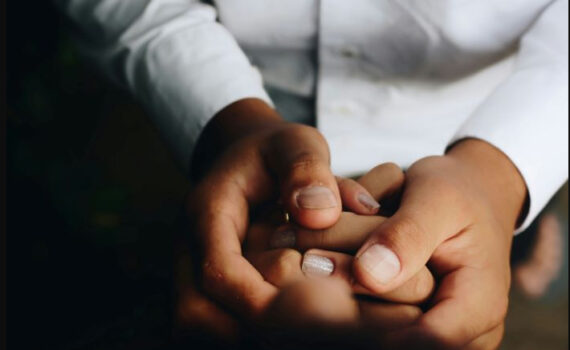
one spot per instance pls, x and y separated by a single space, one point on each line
367 201
282 238
316 197
380 262
316 265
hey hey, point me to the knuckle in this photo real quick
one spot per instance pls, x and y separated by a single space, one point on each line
305 161
287 265
406 226
406 229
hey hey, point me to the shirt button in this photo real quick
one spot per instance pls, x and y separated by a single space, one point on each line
349 51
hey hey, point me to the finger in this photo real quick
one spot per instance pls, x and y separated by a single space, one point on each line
384 182
356 198
262 236
221 221
282 267
381 184
346 325
308 188
312 300
195 313
321 263
319 312
466 305
402 245
346 235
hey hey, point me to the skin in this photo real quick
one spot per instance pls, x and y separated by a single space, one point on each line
457 214
257 158
282 268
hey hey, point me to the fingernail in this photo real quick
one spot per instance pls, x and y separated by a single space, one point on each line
367 201
316 265
316 197
380 262
283 238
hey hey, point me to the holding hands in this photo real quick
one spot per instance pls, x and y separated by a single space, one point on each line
457 215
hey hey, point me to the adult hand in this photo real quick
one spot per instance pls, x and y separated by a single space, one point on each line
458 212
248 155
282 268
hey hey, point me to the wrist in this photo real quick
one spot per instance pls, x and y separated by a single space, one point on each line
236 121
495 176
240 119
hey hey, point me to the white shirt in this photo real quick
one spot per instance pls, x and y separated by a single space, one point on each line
395 80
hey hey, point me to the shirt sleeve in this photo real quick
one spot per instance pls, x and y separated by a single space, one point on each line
526 117
172 55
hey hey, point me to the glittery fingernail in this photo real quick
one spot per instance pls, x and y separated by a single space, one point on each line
317 266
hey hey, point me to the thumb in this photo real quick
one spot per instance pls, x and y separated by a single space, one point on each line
299 155
402 245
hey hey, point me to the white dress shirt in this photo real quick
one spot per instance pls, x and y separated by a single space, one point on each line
392 80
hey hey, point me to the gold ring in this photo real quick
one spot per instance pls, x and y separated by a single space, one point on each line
286 217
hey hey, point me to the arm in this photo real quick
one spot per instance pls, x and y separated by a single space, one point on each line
189 72
172 56
526 117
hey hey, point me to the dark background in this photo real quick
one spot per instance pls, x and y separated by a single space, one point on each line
93 200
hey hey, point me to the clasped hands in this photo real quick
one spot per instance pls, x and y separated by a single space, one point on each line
457 215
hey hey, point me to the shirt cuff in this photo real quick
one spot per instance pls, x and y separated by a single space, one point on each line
527 119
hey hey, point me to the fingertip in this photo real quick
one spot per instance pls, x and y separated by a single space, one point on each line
368 203
356 198
315 206
317 219
377 267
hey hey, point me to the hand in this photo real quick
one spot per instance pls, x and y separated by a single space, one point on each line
458 212
282 267
269 244
256 158
303 312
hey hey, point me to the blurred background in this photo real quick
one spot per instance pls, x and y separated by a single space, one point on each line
93 200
